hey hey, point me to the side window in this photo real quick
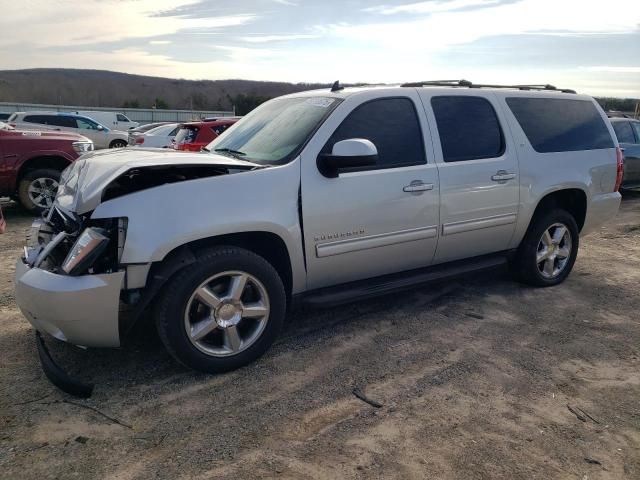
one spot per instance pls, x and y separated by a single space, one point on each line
173 132
61 121
560 124
468 127
122 118
393 127
623 132
86 124
636 127
35 119
219 129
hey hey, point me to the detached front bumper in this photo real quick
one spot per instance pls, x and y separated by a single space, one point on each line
82 310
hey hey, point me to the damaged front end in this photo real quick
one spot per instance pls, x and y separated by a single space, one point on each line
68 286
68 283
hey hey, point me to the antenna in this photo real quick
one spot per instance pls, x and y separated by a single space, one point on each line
336 87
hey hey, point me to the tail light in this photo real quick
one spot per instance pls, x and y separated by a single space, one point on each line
620 171
139 140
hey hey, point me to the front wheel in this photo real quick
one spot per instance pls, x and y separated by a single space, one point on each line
549 249
223 311
37 189
118 144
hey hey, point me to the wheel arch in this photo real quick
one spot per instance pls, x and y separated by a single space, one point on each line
573 200
56 162
266 244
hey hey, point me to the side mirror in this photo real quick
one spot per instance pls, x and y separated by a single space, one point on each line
346 154
100 127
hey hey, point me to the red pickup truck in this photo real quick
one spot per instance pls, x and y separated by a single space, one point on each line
31 163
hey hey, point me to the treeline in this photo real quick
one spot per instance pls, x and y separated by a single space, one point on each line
619 104
99 88
242 104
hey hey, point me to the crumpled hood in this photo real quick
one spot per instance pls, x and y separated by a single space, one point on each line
82 184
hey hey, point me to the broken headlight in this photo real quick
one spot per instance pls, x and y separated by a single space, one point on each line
88 247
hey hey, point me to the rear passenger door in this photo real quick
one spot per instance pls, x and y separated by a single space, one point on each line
478 167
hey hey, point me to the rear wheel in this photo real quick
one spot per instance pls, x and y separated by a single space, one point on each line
548 252
223 311
37 189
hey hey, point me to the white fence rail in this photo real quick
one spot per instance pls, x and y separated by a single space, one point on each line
141 115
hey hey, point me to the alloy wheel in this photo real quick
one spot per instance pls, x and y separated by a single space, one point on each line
227 313
42 192
554 250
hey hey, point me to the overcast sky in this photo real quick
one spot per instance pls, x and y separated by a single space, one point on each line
590 45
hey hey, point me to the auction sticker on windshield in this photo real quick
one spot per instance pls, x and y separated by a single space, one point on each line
323 102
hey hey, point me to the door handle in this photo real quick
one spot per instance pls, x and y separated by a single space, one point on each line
502 176
417 186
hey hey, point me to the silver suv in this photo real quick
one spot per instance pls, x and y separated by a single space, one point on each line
320 197
101 136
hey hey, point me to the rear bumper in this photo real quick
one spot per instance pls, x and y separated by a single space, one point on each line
601 209
81 310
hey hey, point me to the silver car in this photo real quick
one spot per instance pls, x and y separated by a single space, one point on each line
319 197
101 136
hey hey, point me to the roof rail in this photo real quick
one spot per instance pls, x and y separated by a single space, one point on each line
468 84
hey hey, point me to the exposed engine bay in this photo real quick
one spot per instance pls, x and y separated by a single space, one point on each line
67 243
144 178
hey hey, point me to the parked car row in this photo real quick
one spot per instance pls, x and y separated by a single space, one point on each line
190 136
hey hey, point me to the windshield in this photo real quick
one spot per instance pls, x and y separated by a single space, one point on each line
275 131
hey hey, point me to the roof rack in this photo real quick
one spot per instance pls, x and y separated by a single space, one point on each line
468 84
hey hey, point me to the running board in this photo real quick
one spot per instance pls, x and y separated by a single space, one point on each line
362 289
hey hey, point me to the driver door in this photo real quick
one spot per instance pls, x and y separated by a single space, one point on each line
373 220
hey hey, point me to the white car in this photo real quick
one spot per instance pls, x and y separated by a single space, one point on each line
158 137
101 136
117 121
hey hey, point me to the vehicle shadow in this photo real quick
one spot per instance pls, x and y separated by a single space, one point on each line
143 359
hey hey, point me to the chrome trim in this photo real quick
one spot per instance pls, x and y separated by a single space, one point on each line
478 224
374 241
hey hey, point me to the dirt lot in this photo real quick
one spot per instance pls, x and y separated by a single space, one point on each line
474 377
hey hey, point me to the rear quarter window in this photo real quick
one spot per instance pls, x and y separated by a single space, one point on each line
560 124
623 132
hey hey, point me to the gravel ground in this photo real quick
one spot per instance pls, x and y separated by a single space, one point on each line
474 377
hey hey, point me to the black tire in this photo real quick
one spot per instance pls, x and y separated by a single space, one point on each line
524 265
175 297
118 144
27 180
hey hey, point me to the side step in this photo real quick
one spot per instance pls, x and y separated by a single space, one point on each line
362 289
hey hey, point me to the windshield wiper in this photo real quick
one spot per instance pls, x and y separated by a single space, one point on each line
235 153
